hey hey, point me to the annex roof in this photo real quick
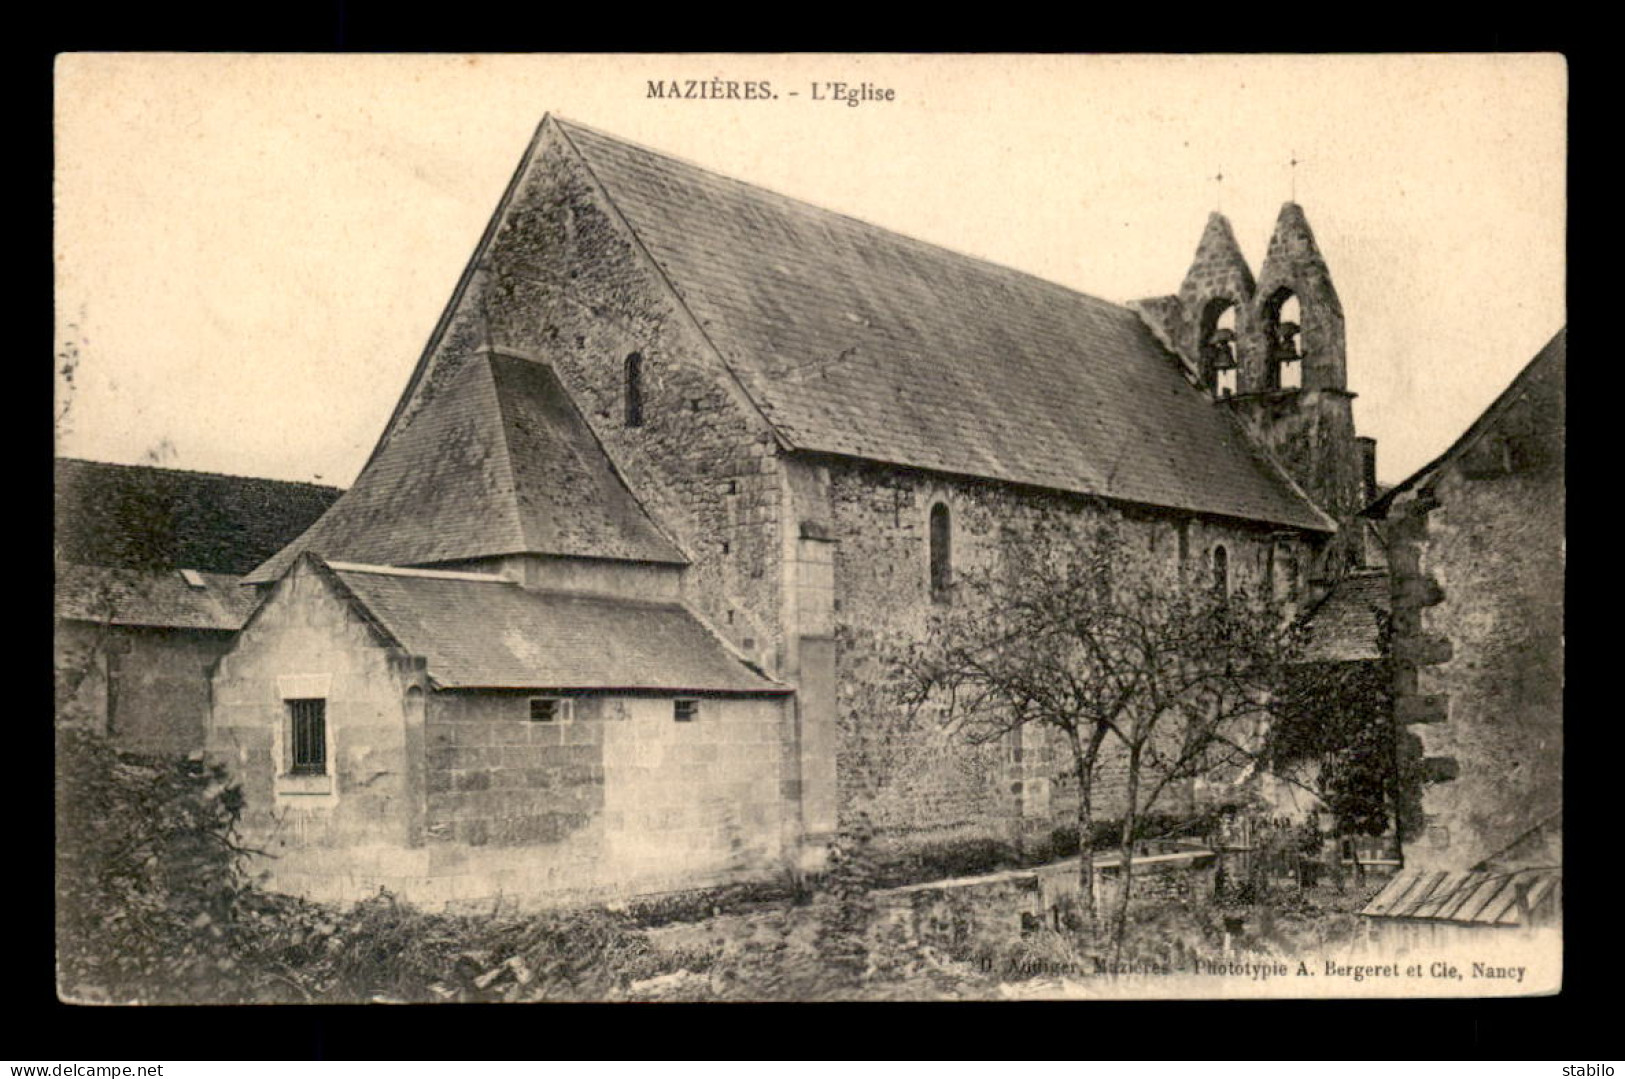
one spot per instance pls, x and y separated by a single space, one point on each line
138 516
122 596
1469 898
1345 625
486 632
498 463
858 341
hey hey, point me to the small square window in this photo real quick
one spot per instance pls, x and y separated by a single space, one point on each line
551 710
307 722
685 711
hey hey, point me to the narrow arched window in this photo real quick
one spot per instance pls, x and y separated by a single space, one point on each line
634 390
942 569
1221 572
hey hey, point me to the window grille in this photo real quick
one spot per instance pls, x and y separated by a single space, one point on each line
308 737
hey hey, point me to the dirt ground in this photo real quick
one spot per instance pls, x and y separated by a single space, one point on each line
774 952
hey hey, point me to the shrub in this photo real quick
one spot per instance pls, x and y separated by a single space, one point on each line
699 904
939 861
967 858
147 872
1063 843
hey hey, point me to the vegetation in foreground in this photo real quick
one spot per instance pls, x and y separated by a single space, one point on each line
153 906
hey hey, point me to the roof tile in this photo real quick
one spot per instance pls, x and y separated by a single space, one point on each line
166 518
494 634
122 596
862 342
1346 625
500 462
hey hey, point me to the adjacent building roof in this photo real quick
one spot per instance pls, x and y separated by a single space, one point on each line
122 596
1472 898
1345 626
164 518
500 462
485 632
858 341
1550 363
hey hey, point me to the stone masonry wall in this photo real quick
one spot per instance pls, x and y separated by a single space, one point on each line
146 689
619 800
79 661
323 834
1476 558
917 785
564 282
1310 432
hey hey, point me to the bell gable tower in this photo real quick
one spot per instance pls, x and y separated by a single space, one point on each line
1299 343
1271 351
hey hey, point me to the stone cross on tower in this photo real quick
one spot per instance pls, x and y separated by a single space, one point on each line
1218 191
1292 172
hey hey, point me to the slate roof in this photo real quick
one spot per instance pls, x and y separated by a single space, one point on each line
1469 898
1344 626
122 596
500 462
858 341
1551 362
166 518
484 632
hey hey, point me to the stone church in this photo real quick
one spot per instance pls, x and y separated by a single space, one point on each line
604 612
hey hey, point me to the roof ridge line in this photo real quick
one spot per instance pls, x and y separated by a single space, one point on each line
1501 403
409 571
196 472
470 269
965 255
511 504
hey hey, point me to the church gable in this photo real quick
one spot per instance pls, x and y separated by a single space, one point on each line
559 276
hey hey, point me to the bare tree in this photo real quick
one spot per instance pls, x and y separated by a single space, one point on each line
1207 666
1175 679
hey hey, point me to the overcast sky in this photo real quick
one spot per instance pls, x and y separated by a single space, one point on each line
252 251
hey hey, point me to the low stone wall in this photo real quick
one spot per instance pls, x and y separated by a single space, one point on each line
968 911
